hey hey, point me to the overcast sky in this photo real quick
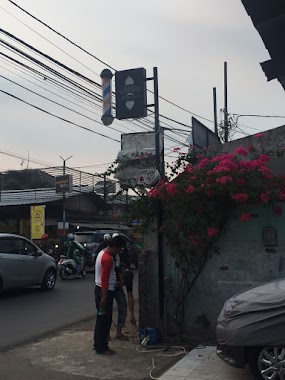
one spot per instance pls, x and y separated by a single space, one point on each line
188 40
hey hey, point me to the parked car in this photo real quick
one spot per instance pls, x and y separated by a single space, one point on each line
91 240
22 264
251 329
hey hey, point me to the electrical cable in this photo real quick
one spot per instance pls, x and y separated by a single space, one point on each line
46 39
59 104
58 117
98 59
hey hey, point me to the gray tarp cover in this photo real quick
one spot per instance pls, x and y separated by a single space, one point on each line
255 317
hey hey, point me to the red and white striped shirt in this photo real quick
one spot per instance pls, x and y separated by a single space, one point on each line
105 275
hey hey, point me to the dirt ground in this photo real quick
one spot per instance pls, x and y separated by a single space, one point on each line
68 355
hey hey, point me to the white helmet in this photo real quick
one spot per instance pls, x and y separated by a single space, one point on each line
107 237
114 235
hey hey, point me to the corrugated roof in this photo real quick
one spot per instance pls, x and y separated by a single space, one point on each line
37 196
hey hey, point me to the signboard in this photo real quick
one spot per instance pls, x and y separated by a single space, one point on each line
202 136
138 146
37 221
63 184
131 98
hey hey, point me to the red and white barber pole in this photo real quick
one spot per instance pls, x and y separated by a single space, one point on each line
107 76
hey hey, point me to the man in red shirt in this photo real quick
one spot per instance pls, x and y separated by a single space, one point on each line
105 279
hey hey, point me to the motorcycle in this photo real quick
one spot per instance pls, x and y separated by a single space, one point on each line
67 267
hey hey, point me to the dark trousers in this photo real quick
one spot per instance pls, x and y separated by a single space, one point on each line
103 322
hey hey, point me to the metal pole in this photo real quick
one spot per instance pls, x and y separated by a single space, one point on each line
64 200
226 120
105 196
215 110
160 167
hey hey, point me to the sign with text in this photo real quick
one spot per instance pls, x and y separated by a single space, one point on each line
37 221
131 98
63 184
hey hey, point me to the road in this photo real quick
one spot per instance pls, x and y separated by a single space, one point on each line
27 314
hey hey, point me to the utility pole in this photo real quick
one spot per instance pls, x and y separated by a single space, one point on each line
160 167
226 116
63 199
215 110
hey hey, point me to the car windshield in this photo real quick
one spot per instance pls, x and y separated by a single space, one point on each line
96 237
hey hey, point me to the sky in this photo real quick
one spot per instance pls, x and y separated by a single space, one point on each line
187 40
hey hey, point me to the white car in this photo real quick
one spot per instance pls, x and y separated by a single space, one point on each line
24 264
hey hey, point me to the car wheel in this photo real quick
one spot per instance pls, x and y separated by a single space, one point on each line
63 274
268 363
49 280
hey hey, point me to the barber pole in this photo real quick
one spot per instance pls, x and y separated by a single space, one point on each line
107 76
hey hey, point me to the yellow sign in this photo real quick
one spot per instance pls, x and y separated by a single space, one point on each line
37 221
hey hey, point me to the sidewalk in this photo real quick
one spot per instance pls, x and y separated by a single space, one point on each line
204 364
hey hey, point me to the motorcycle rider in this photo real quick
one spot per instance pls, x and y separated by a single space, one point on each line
45 245
75 251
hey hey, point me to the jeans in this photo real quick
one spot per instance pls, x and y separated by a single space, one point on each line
120 298
79 265
103 322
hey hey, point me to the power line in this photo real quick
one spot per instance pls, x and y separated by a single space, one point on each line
46 39
98 59
59 104
262 116
61 35
58 117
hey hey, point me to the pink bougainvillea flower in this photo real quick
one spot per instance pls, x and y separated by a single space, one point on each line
172 188
212 232
246 165
265 170
278 210
221 169
251 148
193 178
190 189
176 149
240 197
264 158
241 181
241 151
259 135
224 180
217 159
229 164
189 168
203 163
153 193
245 217
265 198
281 195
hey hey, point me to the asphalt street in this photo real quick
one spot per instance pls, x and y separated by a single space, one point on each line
27 314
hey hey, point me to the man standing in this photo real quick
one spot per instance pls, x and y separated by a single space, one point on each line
105 279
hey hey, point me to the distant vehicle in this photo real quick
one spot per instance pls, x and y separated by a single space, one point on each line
91 240
24 264
251 329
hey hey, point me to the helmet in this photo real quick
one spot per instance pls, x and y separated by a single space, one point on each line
70 237
114 235
107 237
44 237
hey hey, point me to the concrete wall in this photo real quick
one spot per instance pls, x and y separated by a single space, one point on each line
243 262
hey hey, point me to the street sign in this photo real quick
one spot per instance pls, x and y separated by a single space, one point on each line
63 184
131 98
